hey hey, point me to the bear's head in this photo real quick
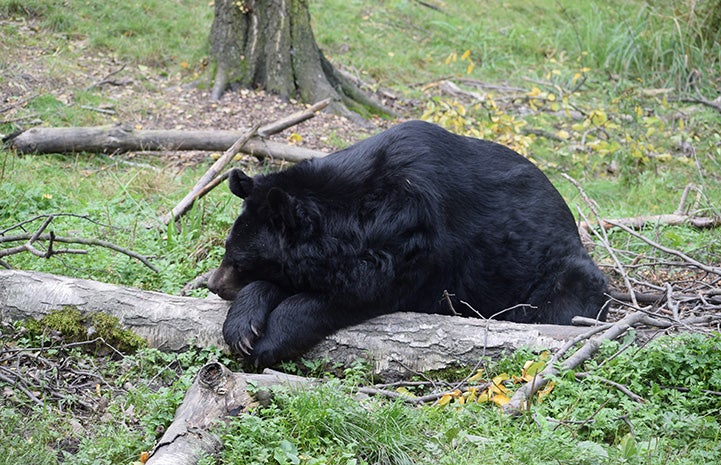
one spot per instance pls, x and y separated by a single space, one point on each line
271 221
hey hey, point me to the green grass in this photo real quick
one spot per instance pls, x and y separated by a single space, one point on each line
659 44
152 32
580 422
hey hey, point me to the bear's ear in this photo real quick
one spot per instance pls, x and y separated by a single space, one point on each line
240 184
283 213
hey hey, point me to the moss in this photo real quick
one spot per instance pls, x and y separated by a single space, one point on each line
73 326
108 327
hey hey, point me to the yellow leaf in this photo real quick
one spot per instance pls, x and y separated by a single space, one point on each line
532 368
546 390
403 390
184 64
444 400
477 377
469 70
535 92
47 196
466 54
551 97
295 138
471 395
501 399
501 378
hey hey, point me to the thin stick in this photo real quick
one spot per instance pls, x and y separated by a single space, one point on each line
604 239
186 204
219 166
681 255
68 240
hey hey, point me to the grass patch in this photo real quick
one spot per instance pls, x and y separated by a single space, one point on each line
579 423
152 32
659 44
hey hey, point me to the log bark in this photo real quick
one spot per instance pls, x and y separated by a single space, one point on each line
396 344
215 395
122 138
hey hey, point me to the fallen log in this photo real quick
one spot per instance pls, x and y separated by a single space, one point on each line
216 395
122 138
396 344
644 221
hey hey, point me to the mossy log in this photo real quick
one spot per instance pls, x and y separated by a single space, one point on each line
396 344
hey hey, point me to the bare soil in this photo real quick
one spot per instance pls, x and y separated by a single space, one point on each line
150 98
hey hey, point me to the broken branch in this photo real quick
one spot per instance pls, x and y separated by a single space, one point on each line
31 238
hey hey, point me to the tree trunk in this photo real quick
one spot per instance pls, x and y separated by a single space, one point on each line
397 344
269 44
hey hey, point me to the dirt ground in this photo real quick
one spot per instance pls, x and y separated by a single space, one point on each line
149 98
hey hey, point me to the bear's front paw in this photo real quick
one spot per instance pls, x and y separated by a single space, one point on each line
267 353
242 329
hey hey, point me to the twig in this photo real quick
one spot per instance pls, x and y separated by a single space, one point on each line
431 6
621 387
99 110
208 180
670 302
604 240
67 240
701 101
106 79
17 384
186 204
681 255
685 389
18 103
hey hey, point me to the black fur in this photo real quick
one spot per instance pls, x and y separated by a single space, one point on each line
390 224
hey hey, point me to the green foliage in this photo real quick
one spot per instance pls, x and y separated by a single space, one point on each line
152 32
117 204
677 423
579 422
135 399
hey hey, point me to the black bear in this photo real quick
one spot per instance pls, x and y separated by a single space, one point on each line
412 219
